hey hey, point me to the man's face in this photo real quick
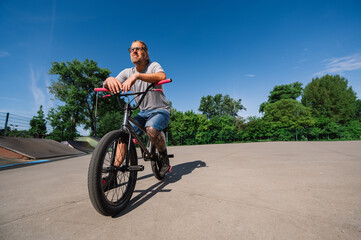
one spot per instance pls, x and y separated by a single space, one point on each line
138 56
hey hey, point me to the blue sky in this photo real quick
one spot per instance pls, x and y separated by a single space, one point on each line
240 48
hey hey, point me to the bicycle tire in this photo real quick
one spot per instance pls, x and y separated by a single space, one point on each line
112 200
155 164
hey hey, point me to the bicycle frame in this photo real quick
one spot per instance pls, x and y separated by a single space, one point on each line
132 134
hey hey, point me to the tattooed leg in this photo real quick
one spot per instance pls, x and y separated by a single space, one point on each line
157 138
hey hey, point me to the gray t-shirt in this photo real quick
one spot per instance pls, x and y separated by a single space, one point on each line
153 99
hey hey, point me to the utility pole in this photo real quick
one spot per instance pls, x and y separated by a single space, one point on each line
6 123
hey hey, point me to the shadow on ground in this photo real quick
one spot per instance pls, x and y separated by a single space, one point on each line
177 173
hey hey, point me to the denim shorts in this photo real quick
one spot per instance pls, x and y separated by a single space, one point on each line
156 118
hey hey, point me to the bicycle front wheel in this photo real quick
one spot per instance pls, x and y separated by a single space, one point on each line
110 188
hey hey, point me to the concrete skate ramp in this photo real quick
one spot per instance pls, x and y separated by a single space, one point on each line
80 145
34 148
93 141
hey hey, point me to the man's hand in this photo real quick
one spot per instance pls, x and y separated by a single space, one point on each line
113 84
127 84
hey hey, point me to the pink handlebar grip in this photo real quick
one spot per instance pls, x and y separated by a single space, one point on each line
101 90
163 82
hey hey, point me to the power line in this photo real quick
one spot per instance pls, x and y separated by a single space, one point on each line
14 121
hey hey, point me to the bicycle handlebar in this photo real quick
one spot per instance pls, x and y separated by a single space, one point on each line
155 84
139 93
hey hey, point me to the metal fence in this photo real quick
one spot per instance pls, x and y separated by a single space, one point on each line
11 122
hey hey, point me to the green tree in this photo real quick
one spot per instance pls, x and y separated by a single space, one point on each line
183 128
109 121
61 122
75 87
351 130
288 114
109 116
223 129
190 124
287 91
204 132
18 133
256 128
358 109
38 124
220 105
327 128
175 128
313 133
329 96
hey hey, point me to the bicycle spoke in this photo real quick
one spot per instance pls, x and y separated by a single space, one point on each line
114 193
122 182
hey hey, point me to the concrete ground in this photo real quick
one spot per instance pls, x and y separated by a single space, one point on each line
275 190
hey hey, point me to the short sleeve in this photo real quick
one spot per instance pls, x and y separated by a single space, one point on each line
156 67
123 75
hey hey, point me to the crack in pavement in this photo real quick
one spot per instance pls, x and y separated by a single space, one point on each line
42 211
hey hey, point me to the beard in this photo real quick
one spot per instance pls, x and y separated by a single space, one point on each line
138 60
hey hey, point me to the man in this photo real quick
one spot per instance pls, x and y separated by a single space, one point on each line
154 111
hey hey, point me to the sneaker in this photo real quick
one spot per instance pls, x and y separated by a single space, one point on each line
165 167
109 182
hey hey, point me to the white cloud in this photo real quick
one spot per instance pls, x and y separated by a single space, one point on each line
40 82
302 60
341 65
38 94
250 75
11 99
4 54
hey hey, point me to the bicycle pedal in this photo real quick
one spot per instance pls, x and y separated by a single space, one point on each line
136 168
170 155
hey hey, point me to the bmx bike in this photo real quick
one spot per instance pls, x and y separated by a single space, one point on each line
111 187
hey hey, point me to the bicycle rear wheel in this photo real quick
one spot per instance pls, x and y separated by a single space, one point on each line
110 188
156 164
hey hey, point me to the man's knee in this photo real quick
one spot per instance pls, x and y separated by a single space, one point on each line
152 131
157 137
